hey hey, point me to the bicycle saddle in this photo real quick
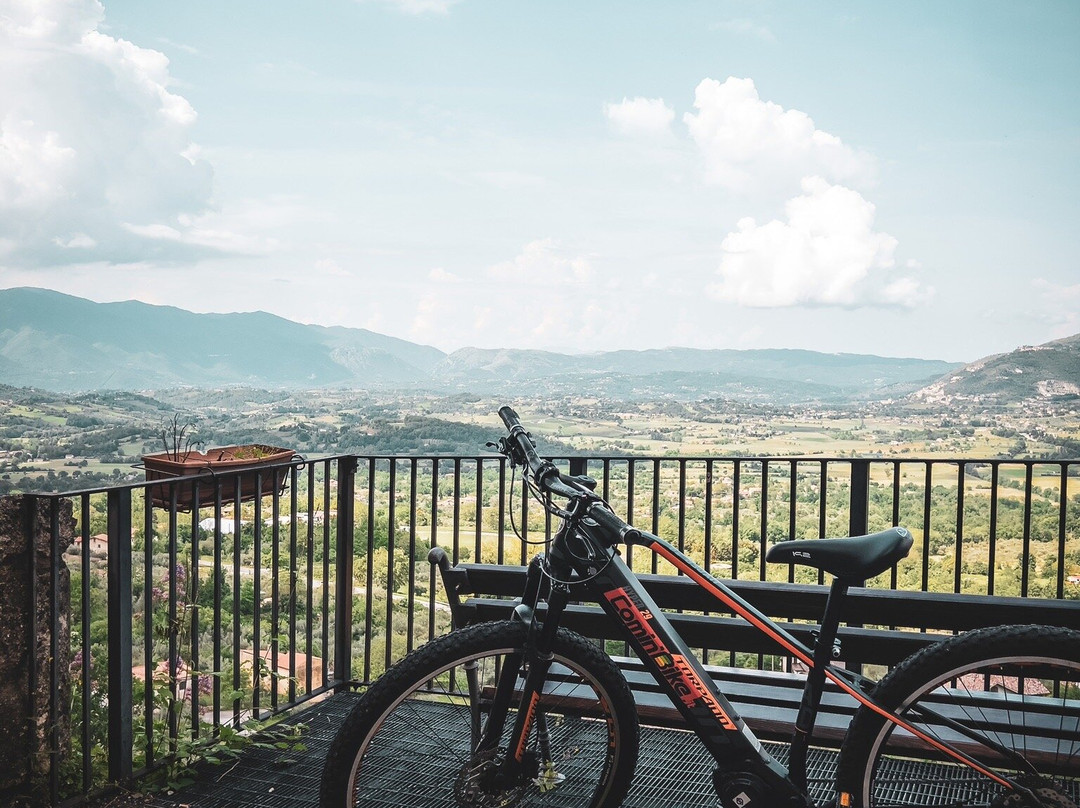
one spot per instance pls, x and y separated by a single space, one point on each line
855 559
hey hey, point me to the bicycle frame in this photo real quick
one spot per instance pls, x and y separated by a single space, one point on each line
750 774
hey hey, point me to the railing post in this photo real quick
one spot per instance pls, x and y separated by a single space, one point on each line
859 520
343 599
859 515
120 639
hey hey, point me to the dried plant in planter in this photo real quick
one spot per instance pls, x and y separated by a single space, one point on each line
232 470
174 435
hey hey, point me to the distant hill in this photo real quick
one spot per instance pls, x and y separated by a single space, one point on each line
1028 374
58 342
783 375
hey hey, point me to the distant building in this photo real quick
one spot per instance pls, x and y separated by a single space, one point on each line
98 545
281 669
228 525
996 683
161 675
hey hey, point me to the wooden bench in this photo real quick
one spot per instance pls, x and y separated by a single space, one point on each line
891 626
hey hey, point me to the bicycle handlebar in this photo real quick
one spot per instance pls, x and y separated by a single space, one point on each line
606 518
550 479
524 443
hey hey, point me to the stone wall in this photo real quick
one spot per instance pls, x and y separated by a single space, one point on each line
24 715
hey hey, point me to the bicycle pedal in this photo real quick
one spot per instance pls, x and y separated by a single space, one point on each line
549 779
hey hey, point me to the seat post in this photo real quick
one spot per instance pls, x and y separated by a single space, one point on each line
824 651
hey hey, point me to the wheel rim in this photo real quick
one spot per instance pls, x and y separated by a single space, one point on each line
421 744
1023 702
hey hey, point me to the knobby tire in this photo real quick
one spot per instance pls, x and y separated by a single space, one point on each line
1018 686
408 739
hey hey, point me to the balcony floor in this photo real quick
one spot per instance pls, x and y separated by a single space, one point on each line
673 769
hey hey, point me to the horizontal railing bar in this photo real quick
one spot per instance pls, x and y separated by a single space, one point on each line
777 460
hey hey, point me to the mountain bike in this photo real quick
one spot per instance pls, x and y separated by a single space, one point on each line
523 712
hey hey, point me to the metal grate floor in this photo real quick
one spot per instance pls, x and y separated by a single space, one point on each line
673 770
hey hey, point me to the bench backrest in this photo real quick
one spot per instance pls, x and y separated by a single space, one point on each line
884 626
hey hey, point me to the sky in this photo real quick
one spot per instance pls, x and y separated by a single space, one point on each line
894 178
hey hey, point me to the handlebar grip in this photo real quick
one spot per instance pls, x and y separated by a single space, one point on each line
509 417
540 469
610 522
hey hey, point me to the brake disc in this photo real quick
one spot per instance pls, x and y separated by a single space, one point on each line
474 787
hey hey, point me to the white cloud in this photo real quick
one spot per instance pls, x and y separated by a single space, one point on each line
535 299
543 263
329 268
440 275
1059 307
826 253
906 292
511 180
95 148
429 318
544 274
640 116
191 50
49 20
195 232
750 144
77 241
418 7
744 27
33 165
159 232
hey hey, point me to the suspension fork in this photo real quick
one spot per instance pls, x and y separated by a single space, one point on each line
535 658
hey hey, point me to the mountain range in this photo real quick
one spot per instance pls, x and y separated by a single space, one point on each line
1030 373
62 343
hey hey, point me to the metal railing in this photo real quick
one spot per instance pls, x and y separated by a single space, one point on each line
182 623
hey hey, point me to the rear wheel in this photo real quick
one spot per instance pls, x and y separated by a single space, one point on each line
1007 696
411 737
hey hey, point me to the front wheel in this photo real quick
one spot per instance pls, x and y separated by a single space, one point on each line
1008 696
411 738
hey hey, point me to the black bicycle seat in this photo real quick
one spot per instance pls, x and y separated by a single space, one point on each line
855 559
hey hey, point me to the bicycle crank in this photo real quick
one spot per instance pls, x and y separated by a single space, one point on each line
747 790
739 789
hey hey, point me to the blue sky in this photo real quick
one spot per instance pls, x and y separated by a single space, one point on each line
890 178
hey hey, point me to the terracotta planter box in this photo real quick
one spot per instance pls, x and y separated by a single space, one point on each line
227 466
